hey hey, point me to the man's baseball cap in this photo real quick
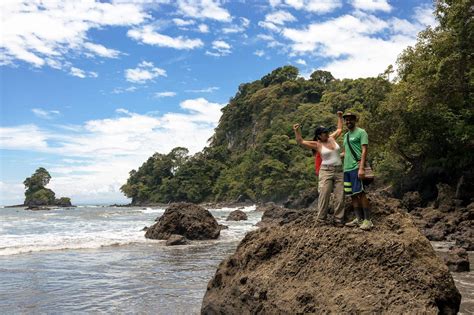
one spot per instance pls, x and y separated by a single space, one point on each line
349 114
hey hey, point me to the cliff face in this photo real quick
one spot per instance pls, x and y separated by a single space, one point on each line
300 267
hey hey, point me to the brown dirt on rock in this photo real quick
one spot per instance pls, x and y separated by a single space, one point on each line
299 267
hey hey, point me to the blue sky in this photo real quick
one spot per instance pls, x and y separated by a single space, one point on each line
89 90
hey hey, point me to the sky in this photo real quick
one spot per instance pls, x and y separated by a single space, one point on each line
90 90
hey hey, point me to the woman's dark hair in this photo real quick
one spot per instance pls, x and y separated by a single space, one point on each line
317 132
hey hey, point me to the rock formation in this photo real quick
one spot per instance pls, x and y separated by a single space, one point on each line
457 260
236 215
186 219
176 239
298 267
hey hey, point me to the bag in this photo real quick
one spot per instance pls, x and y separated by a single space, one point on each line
369 176
317 162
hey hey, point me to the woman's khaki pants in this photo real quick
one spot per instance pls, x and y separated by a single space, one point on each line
331 180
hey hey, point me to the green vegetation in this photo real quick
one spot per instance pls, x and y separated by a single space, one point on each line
420 124
37 194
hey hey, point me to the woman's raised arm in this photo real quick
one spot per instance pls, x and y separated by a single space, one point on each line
338 131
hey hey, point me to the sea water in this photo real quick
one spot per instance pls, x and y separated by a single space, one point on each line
96 260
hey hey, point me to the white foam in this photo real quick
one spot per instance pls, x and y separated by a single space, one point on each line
151 210
13 244
229 209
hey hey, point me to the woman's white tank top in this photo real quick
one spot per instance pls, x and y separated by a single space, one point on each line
331 157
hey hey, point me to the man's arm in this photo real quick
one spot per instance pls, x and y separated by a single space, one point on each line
307 144
363 157
338 131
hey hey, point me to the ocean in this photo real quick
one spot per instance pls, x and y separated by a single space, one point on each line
94 259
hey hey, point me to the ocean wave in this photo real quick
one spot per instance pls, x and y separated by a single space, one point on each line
229 209
51 242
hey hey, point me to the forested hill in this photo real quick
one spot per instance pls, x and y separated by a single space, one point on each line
420 126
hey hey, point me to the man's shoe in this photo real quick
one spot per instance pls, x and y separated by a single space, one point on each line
338 223
354 223
366 225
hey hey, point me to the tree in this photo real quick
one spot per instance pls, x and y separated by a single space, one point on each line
37 194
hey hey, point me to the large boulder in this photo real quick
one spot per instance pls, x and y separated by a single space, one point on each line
237 215
186 219
300 267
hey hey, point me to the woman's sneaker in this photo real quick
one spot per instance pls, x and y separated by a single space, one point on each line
366 225
354 223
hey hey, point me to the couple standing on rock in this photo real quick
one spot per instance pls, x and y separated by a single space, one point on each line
336 177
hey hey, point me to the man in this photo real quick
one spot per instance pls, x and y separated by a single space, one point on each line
357 139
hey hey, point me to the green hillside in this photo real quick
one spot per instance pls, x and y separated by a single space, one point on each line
420 126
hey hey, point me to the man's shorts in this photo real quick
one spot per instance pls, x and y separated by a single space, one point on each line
352 184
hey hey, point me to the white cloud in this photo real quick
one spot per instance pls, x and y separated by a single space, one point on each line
237 28
45 114
424 16
76 72
204 9
203 28
219 48
372 5
314 6
105 150
301 62
356 45
206 90
23 136
147 35
275 20
47 32
102 50
120 90
181 22
269 26
280 17
144 72
11 193
164 94
259 53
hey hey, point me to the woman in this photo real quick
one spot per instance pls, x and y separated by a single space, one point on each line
331 178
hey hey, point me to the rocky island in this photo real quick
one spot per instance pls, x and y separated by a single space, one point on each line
38 197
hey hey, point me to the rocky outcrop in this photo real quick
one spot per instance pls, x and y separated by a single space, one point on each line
276 215
457 260
236 215
303 200
411 200
176 239
298 267
186 219
454 225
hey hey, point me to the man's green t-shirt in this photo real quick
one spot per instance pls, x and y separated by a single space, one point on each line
357 137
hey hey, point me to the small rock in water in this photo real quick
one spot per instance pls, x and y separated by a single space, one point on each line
145 228
223 227
236 215
176 239
457 260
